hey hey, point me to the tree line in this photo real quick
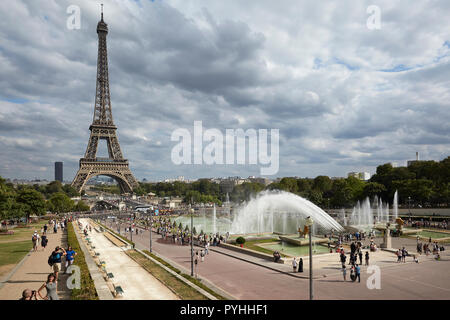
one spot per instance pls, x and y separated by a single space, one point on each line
23 200
423 183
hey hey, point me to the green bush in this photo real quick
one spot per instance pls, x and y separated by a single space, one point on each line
240 240
87 290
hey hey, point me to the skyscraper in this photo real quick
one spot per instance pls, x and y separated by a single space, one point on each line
59 171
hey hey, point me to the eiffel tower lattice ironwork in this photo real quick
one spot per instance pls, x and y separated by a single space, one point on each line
102 127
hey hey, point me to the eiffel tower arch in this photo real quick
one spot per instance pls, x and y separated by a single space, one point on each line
103 128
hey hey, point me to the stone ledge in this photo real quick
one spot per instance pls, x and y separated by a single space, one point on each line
101 287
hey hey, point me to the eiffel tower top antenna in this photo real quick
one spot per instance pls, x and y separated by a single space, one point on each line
102 11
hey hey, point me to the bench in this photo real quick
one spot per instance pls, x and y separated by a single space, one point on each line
110 275
97 253
118 290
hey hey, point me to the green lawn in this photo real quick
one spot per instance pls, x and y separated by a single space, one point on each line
21 234
253 245
434 235
13 252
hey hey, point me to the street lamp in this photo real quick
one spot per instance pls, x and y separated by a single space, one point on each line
309 222
151 227
192 242
409 205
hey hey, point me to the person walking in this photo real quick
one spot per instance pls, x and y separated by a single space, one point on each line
343 258
44 241
344 272
202 256
399 255
367 258
35 240
50 285
300 265
358 272
404 254
360 254
195 264
294 265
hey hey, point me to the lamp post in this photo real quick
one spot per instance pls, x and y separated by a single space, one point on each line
131 228
151 227
309 222
192 241
409 205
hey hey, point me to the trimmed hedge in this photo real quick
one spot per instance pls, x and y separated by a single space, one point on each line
87 290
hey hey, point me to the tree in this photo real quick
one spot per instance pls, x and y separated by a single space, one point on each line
81 206
289 185
315 196
372 188
59 202
322 183
70 191
53 187
32 202
342 194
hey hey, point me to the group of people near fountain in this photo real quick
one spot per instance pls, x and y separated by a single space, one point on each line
425 248
355 253
177 236
427 224
357 236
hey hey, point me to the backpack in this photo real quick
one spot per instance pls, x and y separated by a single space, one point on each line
50 260
34 238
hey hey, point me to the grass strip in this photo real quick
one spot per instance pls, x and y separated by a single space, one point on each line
253 245
87 289
186 276
184 291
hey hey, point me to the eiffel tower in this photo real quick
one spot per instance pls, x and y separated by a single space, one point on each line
102 127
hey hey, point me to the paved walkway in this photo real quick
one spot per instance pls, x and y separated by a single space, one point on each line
136 282
428 279
33 271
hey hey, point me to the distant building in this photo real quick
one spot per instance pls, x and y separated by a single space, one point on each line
394 164
411 162
59 171
263 181
360 175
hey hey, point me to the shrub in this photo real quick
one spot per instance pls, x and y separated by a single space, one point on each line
87 290
240 240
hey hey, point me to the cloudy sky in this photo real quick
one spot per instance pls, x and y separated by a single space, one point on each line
344 97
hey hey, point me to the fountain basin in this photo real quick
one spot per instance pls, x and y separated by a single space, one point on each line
302 241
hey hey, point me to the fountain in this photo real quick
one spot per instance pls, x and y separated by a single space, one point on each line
279 211
363 218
